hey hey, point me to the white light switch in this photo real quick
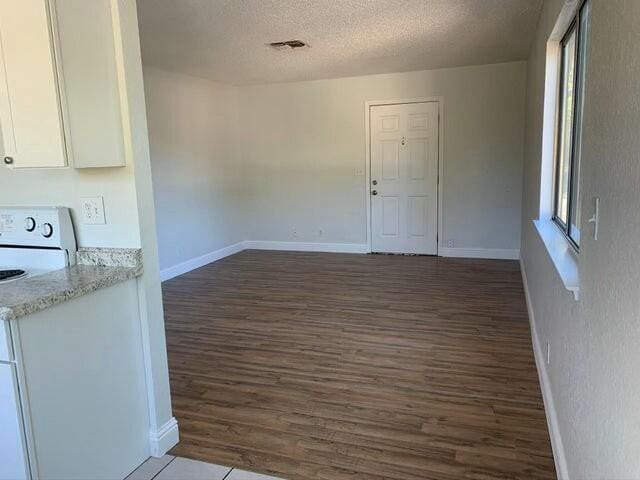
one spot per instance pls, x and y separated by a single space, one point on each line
93 211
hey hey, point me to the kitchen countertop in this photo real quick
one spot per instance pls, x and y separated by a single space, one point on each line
96 269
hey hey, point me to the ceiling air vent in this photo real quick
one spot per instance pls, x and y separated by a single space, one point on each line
288 45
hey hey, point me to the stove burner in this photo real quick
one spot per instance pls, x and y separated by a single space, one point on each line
8 274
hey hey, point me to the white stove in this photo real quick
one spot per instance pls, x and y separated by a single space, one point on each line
35 240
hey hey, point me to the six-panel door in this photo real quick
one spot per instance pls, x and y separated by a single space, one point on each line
404 178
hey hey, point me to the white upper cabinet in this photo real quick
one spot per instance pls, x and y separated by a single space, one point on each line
30 108
61 102
91 86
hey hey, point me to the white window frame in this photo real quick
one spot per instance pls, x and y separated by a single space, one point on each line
561 249
569 227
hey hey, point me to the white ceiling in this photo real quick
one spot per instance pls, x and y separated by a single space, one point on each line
224 40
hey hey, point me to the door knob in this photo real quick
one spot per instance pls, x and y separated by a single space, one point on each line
8 160
375 182
374 192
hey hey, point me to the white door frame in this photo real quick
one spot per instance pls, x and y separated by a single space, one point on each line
367 176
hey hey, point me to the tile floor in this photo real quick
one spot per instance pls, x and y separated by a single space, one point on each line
179 468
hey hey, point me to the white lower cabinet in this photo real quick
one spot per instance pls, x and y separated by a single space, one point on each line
13 451
73 396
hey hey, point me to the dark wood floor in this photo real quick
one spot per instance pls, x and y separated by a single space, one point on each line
333 366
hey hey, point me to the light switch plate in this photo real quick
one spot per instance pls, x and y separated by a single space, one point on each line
93 211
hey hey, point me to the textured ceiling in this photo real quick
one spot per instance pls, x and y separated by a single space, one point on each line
224 40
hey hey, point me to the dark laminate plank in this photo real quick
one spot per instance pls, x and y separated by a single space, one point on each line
332 366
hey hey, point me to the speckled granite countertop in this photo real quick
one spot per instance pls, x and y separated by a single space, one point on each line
96 269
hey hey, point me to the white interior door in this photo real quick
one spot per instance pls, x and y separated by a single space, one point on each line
404 178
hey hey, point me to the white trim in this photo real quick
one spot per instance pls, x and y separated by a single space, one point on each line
164 439
563 256
201 261
551 106
307 247
559 457
495 253
367 178
192 264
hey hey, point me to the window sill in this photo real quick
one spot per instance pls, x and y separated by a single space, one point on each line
562 254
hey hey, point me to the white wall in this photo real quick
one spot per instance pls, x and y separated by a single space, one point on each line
196 175
595 357
258 162
65 186
163 426
303 148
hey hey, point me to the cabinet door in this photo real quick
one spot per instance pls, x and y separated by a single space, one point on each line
13 452
92 92
30 107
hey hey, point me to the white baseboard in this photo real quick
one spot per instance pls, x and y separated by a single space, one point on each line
559 457
198 262
307 246
164 439
493 253
192 264
203 260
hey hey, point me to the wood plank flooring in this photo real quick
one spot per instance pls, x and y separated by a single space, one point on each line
335 366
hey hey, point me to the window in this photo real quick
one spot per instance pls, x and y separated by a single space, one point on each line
573 48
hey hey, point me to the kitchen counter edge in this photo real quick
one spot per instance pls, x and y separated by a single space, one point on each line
97 268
